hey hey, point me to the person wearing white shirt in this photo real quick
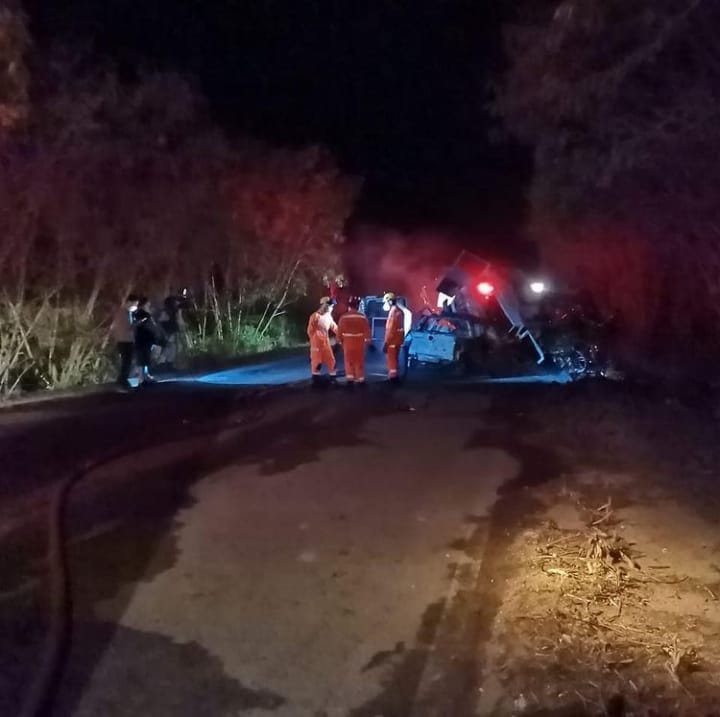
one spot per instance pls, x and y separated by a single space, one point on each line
407 315
407 326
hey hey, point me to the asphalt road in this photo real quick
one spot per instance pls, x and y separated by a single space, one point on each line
281 371
278 372
299 553
310 579
295 368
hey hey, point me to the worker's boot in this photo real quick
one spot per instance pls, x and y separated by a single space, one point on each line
317 381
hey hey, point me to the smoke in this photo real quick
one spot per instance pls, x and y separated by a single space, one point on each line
381 259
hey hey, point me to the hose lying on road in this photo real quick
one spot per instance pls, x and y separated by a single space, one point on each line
39 698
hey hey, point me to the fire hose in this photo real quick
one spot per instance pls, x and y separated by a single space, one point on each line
39 698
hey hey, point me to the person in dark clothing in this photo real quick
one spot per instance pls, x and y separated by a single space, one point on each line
172 325
146 336
124 335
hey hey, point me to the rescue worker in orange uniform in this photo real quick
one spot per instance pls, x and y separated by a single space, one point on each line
353 335
319 326
394 335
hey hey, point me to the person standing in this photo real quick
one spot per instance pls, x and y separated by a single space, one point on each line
394 335
407 315
407 328
173 325
123 333
319 326
146 336
338 291
353 335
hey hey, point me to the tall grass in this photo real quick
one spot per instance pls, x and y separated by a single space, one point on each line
224 326
237 339
50 344
45 344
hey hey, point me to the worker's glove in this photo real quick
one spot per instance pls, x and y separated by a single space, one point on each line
384 348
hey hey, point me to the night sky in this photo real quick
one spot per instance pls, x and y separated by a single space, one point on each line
396 88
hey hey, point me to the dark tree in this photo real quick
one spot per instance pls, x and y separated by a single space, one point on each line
619 100
14 41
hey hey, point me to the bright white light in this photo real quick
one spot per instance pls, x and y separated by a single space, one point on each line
537 287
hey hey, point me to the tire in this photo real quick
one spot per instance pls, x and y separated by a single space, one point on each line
578 364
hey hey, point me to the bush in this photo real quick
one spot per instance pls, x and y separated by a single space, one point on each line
14 361
221 328
44 345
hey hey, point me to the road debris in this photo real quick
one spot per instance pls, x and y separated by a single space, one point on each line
585 625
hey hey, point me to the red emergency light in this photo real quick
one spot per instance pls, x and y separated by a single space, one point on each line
485 288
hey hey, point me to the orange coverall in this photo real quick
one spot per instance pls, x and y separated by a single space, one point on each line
320 350
394 337
354 334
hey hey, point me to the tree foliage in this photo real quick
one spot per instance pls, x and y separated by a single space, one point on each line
619 101
290 209
111 186
14 41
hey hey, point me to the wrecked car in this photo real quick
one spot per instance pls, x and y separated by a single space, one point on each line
511 322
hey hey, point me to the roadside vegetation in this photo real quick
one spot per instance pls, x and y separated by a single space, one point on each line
618 101
606 587
111 184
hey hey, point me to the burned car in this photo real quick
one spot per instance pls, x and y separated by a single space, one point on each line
471 343
444 338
